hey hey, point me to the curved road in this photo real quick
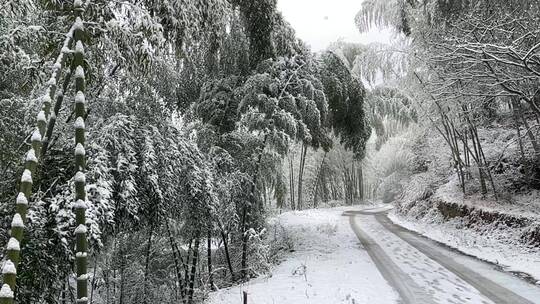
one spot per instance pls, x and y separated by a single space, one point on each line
423 271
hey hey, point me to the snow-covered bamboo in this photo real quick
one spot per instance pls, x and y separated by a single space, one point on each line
52 88
9 272
6 294
81 243
44 124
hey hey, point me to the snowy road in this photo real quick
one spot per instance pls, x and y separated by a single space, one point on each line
424 271
375 262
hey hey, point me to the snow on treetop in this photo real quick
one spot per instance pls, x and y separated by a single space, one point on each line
79 204
81 229
79 149
79 97
52 81
9 267
80 177
82 300
82 277
79 48
13 244
41 115
36 136
77 3
79 123
26 176
21 199
78 24
31 156
17 221
5 292
81 254
79 72
65 50
57 66
46 99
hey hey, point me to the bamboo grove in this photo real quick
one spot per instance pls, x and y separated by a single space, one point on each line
182 117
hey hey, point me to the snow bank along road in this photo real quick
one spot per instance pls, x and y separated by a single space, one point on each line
375 262
424 271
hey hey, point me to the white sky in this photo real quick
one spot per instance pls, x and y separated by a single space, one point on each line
320 22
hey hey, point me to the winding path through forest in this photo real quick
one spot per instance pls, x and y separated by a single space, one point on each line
375 262
423 271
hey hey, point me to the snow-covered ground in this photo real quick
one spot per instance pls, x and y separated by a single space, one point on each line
495 241
364 258
493 247
441 284
327 267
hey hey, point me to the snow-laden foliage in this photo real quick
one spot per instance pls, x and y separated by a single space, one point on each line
345 94
383 13
389 112
284 100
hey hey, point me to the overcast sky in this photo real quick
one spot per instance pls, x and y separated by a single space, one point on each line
320 22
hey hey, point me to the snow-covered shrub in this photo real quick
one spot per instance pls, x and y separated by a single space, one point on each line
327 229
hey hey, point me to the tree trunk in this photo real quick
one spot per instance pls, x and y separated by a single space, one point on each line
114 284
264 190
452 135
122 276
193 269
317 180
63 294
186 267
291 183
209 256
300 202
176 262
484 161
465 150
227 254
479 162
517 126
325 189
147 264
360 183
57 106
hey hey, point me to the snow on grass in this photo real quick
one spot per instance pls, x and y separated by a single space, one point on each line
521 205
328 266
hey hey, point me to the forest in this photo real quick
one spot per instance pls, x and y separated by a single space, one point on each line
146 146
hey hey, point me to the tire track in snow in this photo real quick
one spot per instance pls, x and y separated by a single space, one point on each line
408 290
443 256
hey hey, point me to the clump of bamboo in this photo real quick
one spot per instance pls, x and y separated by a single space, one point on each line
44 123
13 248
